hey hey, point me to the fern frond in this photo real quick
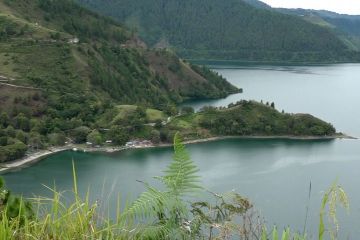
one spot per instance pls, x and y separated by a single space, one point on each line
180 176
159 231
149 204
166 209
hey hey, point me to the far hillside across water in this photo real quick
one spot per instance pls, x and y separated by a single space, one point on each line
347 27
232 29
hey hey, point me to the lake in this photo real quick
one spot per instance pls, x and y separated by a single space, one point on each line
274 174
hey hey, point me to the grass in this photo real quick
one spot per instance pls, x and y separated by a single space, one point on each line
6 65
124 111
56 218
37 31
154 115
9 94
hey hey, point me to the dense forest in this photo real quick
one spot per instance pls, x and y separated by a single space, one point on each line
226 30
346 27
62 67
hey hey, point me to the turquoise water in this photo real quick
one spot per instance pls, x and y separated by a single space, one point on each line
330 92
274 174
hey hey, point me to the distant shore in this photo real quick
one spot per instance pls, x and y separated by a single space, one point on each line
34 157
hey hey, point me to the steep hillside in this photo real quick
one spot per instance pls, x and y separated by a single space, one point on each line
63 66
346 27
225 30
258 4
42 35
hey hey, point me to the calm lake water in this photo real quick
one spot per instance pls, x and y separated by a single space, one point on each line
274 174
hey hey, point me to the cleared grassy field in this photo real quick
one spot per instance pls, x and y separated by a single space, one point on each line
154 115
27 100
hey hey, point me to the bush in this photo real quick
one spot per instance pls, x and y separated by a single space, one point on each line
95 137
187 110
80 134
118 135
57 139
12 152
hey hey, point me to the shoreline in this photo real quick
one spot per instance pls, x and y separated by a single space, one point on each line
35 157
225 62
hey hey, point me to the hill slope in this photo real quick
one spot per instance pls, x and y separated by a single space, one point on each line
346 27
225 30
38 37
63 66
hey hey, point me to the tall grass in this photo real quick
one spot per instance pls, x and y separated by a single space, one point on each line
56 218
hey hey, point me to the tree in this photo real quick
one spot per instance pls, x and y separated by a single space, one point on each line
95 137
4 119
158 124
140 112
21 136
170 110
10 131
22 122
35 140
80 134
187 110
118 135
155 136
3 156
3 141
13 151
57 139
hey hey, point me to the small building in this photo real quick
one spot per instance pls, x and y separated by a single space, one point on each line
129 144
74 40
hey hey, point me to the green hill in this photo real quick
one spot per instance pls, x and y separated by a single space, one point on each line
37 49
68 75
247 118
63 66
346 27
229 29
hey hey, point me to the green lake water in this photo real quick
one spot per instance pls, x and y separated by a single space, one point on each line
274 174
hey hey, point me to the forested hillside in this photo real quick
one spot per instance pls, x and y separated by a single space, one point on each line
225 30
346 27
247 118
62 66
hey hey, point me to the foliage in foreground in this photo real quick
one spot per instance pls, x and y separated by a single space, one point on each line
156 214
